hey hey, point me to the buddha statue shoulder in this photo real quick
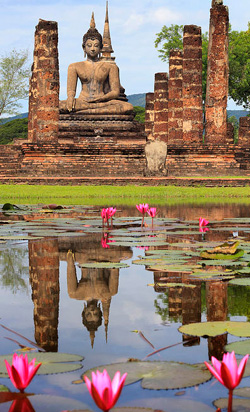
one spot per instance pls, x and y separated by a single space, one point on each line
100 82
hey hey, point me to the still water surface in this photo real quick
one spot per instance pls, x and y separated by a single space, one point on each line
47 297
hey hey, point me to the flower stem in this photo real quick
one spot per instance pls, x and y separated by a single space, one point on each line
230 401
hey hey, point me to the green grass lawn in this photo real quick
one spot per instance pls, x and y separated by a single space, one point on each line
114 195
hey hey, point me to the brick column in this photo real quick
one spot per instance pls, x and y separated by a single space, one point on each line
149 114
161 107
244 131
44 85
192 85
44 280
217 75
175 104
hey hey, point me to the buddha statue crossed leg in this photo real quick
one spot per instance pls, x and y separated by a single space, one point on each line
99 78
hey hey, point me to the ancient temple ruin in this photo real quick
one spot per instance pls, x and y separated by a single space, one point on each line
96 137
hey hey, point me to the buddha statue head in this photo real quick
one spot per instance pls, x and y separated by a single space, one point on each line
92 35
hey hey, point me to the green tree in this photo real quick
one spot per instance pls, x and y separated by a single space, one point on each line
15 129
139 114
13 81
239 59
239 67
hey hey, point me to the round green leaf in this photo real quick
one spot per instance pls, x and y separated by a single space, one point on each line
159 375
244 392
241 329
240 281
239 405
241 347
52 362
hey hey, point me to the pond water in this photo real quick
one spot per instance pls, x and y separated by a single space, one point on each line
70 286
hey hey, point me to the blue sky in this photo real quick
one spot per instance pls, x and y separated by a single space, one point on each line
133 25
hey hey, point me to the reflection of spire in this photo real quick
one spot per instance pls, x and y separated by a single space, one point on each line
107 46
105 311
92 338
92 21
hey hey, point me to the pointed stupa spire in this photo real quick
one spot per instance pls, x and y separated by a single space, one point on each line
107 46
92 21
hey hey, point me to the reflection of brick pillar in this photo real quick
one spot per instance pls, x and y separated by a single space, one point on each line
191 309
217 75
161 107
175 105
44 279
216 299
149 114
192 85
44 85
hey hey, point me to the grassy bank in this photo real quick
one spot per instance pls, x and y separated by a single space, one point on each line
100 195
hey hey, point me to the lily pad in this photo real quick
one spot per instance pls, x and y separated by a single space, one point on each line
222 256
240 281
52 362
241 347
239 405
159 375
205 329
172 285
244 392
104 265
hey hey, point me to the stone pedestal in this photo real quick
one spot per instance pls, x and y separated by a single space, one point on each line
77 128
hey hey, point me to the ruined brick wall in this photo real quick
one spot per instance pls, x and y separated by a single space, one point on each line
217 75
149 114
44 85
192 85
44 280
175 104
161 107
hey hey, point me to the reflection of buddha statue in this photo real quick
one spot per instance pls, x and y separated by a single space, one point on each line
95 285
99 78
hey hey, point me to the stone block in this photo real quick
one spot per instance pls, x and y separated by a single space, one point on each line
156 153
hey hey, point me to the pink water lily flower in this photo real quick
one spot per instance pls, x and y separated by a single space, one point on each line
21 372
203 222
152 211
111 211
228 373
104 391
143 208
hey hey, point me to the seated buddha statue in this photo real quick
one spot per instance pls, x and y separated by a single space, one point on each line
99 78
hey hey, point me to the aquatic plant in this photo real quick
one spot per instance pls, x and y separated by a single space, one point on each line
21 372
228 373
104 391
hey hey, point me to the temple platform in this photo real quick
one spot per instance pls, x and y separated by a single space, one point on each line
77 128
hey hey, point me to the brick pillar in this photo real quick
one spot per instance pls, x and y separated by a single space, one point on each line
44 280
217 75
161 107
192 85
44 85
149 114
244 131
175 104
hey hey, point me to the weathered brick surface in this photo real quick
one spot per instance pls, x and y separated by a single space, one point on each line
44 85
149 114
161 107
244 131
217 75
192 85
175 114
